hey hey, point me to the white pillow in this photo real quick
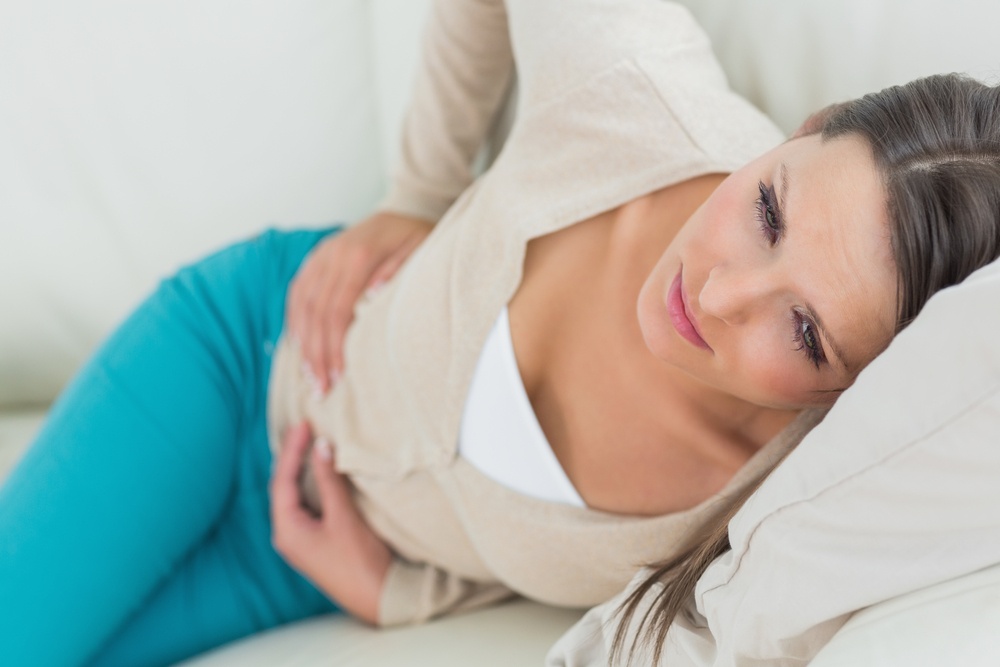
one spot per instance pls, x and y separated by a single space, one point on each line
896 490
953 623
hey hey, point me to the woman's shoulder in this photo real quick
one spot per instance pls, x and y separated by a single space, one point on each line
623 63
557 46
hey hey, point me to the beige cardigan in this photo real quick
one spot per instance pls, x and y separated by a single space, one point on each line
617 98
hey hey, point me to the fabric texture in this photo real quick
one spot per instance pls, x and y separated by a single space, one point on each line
617 98
136 529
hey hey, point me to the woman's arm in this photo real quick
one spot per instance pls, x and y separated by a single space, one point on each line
558 45
464 73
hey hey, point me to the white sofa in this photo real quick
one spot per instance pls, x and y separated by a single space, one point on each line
137 136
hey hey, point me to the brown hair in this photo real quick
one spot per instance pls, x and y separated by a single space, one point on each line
936 144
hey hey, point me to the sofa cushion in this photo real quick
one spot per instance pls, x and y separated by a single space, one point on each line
516 633
143 135
791 57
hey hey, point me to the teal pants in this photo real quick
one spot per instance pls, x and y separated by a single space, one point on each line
136 531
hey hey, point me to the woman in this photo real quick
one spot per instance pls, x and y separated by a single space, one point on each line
676 330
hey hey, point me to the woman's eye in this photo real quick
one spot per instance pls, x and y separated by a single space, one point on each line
772 222
807 339
767 214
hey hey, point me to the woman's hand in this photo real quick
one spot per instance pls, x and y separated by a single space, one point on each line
337 551
322 296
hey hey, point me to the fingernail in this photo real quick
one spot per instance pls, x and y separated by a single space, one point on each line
374 289
323 449
334 377
317 390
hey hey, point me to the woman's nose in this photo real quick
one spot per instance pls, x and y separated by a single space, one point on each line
731 295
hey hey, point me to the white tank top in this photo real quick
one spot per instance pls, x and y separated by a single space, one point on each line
500 434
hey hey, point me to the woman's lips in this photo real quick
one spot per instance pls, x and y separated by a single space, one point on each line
680 314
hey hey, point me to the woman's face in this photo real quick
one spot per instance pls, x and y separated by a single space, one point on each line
781 287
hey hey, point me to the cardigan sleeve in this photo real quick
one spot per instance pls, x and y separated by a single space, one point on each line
416 592
469 55
465 71
558 45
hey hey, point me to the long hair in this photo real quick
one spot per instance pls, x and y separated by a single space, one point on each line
936 144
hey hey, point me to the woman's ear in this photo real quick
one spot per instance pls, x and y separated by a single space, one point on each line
815 122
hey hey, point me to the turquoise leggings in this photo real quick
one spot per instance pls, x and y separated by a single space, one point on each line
135 530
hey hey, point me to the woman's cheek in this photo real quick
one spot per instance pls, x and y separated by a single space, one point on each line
775 378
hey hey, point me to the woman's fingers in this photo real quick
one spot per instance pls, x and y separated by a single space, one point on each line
388 268
302 291
316 331
285 500
335 496
340 311
333 315
325 308
305 297
362 560
335 276
338 552
308 313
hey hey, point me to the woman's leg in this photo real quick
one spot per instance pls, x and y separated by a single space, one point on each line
135 530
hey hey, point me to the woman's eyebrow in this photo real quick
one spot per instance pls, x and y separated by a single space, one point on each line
838 352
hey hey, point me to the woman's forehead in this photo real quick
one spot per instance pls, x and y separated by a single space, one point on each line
838 235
